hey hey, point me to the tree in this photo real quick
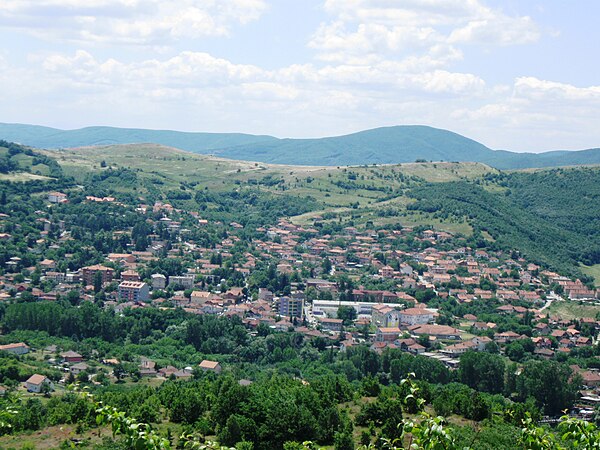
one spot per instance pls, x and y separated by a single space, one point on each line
550 384
326 266
347 314
119 371
482 371
424 340
343 441
97 281
73 297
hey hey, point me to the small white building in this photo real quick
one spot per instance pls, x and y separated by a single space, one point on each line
159 281
36 382
18 348
416 316
185 281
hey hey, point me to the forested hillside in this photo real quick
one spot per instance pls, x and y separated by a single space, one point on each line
384 145
552 216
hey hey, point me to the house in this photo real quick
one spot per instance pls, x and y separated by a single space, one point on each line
456 350
542 328
507 336
168 371
331 324
385 316
147 367
416 349
591 378
130 275
18 348
387 334
35 383
71 357
76 369
210 366
480 342
184 374
437 331
544 352
57 197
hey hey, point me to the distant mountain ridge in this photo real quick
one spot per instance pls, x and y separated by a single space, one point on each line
386 145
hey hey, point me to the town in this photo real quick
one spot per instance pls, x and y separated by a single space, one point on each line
414 289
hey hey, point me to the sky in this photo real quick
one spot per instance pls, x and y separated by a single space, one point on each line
520 75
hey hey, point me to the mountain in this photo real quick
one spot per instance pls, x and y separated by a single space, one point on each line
387 145
50 138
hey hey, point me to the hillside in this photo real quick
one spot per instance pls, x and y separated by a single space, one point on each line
19 163
388 145
46 137
541 213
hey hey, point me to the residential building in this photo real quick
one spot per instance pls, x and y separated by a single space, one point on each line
35 383
130 275
437 331
210 366
57 197
159 281
18 348
290 306
331 324
184 281
387 334
71 357
134 291
416 316
385 315
89 273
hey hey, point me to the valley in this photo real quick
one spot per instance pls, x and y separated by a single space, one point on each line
207 301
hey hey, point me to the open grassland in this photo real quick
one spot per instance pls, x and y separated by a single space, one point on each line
361 194
22 176
592 271
569 310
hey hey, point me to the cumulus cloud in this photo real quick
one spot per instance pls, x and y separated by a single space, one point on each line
142 22
380 28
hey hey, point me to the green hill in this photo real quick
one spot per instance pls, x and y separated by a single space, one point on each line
17 161
46 137
388 145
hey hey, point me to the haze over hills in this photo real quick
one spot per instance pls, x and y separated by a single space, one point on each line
387 145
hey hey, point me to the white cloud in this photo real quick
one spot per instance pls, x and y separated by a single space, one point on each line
376 62
389 28
536 89
142 22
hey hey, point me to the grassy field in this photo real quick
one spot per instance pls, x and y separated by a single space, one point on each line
357 194
569 310
22 176
592 271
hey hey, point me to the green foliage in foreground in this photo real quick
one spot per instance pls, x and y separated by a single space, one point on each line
422 431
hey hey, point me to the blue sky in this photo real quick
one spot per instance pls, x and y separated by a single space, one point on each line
518 75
